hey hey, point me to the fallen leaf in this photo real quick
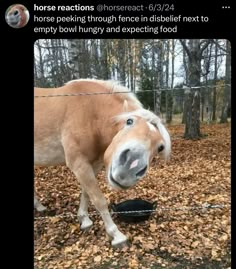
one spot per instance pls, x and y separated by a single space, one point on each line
97 258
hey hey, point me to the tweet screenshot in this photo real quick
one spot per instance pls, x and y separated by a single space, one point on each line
132 131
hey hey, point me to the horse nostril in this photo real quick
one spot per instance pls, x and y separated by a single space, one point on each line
16 12
123 156
160 148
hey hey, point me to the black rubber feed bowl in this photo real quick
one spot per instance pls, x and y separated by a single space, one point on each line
140 210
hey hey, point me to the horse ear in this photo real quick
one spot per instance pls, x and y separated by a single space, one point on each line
125 106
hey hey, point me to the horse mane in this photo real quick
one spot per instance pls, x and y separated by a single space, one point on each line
116 87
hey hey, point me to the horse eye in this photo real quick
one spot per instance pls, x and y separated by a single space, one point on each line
160 148
129 121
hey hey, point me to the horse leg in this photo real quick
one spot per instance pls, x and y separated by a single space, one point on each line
37 205
85 174
85 221
90 184
82 214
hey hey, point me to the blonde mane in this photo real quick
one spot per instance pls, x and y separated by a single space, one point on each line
115 87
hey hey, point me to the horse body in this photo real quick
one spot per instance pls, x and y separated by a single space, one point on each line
86 131
79 116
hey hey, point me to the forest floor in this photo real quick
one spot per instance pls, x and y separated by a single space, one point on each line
197 174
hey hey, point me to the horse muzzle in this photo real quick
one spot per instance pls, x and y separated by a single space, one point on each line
13 20
128 166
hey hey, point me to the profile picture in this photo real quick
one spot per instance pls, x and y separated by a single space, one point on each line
17 16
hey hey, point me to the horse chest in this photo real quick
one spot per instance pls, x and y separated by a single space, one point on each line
49 152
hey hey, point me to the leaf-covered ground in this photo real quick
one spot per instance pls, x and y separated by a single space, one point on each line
197 174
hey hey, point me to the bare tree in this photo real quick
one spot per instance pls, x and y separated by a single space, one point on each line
147 65
40 79
194 50
227 89
159 86
169 97
185 64
121 53
131 64
73 56
206 93
214 89
95 59
105 74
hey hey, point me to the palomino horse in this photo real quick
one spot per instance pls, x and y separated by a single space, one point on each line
86 131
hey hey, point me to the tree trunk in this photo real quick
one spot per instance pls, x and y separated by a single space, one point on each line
41 74
159 79
95 59
207 54
185 63
192 123
104 60
214 89
185 103
131 64
227 89
187 83
202 106
169 98
121 57
73 57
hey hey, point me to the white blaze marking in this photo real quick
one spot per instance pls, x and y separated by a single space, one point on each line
151 127
134 164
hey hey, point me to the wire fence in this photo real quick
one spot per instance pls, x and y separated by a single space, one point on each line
139 91
203 208
168 103
177 108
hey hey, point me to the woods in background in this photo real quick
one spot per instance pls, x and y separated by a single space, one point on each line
186 79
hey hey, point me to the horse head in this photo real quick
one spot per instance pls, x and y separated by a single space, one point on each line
140 136
17 16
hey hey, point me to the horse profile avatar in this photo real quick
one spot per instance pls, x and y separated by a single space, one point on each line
88 131
17 16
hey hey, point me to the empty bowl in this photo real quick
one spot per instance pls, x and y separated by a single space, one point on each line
136 210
